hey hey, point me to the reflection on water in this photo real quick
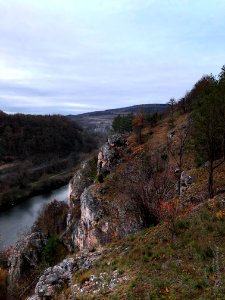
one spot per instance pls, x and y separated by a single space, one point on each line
21 217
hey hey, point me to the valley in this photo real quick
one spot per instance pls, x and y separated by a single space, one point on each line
137 212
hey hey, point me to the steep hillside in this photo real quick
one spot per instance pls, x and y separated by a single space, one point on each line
127 248
150 265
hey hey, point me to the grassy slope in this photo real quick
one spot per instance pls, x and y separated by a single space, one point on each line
151 264
192 266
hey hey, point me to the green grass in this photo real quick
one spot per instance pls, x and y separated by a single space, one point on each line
161 269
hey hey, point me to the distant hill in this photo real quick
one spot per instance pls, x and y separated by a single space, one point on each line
102 120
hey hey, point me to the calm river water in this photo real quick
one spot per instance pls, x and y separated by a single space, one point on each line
21 217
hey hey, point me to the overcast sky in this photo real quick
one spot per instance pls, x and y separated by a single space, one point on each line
74 56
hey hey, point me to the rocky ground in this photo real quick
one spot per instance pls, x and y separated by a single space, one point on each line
54 278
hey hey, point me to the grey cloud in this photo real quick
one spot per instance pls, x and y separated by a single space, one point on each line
77 56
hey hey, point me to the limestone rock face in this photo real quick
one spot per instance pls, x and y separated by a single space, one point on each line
102 221
105 158
25 255
81 180
185 181
109 154
88 233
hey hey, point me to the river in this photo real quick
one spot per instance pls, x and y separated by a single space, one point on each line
21 217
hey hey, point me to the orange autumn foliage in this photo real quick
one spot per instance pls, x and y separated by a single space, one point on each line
220 214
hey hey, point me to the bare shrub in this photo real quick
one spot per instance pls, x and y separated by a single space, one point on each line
52 218
149 182
170 213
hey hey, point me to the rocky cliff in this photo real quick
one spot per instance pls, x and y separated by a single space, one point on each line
24 258
100 220
96 216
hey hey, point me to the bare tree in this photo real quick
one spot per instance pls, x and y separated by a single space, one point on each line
209 130
172 103
138 124
149 183
177 147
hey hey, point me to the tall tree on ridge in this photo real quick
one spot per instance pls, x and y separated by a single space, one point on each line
209 129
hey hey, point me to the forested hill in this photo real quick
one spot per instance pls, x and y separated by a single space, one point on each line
102 120
24 136
128 110
38 153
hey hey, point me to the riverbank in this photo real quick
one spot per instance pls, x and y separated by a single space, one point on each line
18 220
45 184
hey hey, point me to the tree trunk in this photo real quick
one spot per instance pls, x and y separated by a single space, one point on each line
180 166
210 180
179 187
179 182
224 146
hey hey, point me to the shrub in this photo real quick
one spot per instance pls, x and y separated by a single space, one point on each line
90 170
121 272
183 224
100 178
203 251
221 229
164 156
51 252
209 227
201 284
145 258
132 284
52 218
145 138
83 277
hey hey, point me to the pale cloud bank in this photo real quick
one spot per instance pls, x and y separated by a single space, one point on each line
72 56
